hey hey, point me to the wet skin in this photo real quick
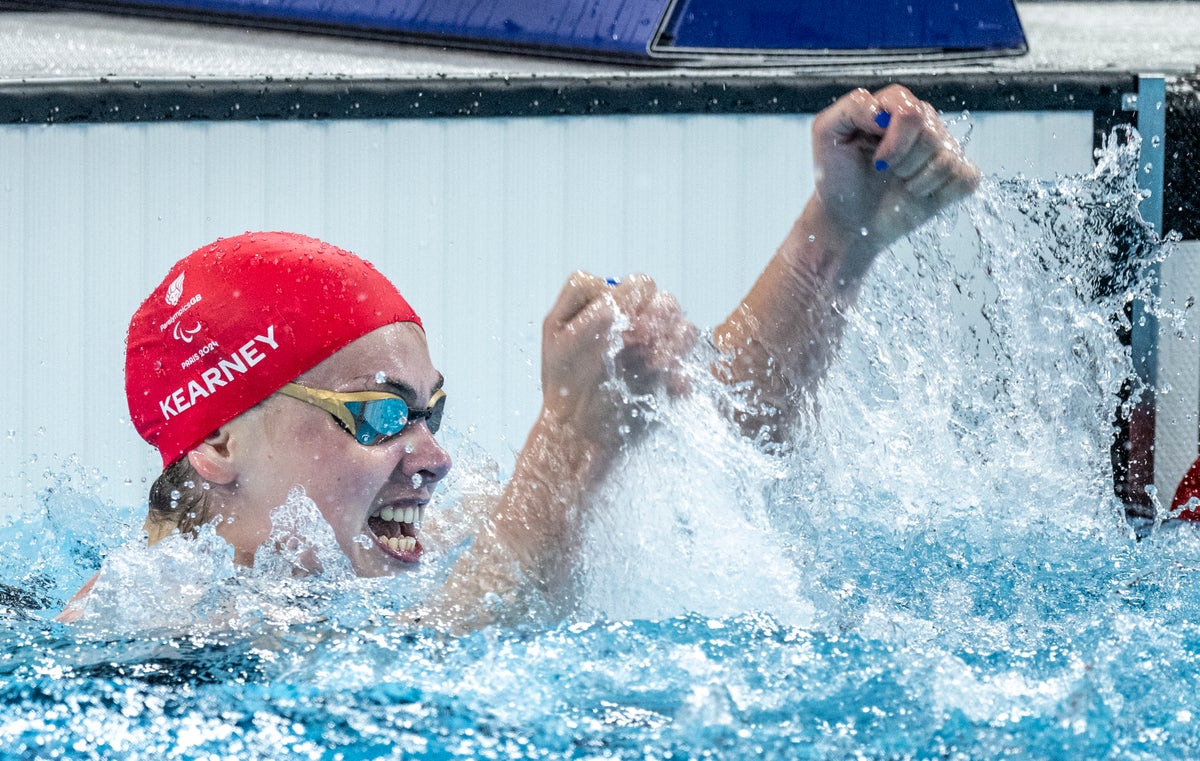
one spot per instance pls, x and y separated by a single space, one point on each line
284 442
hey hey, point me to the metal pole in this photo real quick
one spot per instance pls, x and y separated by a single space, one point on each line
1152 125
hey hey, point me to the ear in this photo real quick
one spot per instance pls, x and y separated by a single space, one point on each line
212 459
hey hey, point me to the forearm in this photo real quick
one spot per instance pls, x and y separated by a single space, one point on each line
594 381
780 339
884 163
519 566
539 513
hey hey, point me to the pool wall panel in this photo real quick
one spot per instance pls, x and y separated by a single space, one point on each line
1176 442
478 221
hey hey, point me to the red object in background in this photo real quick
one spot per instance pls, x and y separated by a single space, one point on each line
1189 487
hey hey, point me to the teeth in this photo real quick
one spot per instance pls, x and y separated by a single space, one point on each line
402 543
401 514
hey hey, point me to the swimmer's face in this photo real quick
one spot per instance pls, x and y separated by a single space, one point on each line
368 494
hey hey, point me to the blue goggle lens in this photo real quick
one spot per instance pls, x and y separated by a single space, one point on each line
381 419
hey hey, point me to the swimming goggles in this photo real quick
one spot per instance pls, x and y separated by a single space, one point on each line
371 417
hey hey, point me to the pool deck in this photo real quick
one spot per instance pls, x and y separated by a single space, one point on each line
1079 54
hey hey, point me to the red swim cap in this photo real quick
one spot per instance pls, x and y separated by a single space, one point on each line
236 320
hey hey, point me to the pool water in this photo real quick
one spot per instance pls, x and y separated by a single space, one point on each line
937 569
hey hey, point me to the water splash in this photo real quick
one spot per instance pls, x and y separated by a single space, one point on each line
967 424
937 569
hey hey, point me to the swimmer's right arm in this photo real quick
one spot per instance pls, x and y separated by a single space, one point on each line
528 548
884 163
156 531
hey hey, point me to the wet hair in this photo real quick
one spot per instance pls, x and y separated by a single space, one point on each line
178 500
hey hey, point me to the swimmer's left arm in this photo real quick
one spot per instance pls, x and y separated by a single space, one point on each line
884 164
74 609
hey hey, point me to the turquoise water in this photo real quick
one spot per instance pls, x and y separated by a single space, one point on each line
938 570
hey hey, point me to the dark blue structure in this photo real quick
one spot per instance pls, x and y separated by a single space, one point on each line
693 31
846 25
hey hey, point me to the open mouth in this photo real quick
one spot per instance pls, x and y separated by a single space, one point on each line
395 531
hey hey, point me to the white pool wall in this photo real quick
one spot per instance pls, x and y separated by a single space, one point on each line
478 221
1178 398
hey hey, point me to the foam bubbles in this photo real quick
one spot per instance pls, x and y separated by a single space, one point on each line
301 542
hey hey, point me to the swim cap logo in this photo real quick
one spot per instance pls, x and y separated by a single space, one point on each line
184 334
174 294
175 291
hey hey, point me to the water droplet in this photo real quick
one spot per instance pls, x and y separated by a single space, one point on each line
864 232
417 480
175 495
381 377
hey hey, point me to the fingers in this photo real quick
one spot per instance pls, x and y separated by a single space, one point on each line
663 330
586 297
854 116
913 133
894 135
654 318
588 307
677 339
636 296
656 345
919 149
945 176
580 290
654 336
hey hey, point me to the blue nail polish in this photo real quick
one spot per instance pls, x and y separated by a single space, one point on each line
880 165
612 281
883 119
